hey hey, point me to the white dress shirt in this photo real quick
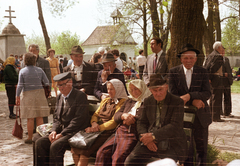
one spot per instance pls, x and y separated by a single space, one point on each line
188 75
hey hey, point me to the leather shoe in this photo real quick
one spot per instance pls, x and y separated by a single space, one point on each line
228 116
28 141
219 120
12 116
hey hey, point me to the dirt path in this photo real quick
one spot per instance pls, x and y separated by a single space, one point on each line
14 152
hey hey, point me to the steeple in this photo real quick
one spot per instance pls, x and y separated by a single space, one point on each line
116 15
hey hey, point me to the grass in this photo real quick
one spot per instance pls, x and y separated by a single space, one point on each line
235 88
2 87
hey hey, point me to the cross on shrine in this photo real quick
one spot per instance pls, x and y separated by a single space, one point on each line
10 15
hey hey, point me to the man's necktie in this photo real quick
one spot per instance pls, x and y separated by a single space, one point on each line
188 77
155 63
158 113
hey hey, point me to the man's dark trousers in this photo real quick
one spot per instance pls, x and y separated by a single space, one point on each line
56 150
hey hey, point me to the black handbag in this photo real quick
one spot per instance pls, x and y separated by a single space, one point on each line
83 140
51 103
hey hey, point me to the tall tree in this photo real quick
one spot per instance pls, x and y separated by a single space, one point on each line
42 22
155 18
231 36
65 41
56 8
186 27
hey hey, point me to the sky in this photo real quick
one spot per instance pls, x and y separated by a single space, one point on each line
82 18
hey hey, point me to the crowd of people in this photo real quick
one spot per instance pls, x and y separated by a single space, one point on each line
141 121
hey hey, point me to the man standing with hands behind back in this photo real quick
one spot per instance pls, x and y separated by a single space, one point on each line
191 83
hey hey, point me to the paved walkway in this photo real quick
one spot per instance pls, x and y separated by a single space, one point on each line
13 152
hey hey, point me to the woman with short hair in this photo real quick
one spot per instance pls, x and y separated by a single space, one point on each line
11 80
33 101
54 66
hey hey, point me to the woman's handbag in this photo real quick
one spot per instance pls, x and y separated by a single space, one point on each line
83 140
17 129
51 103
44 129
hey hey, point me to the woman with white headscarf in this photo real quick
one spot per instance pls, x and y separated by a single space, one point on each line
116 150
102 120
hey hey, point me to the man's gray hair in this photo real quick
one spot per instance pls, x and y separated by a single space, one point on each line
33 45
216 45
101 49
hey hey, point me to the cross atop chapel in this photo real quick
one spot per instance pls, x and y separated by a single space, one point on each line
10 15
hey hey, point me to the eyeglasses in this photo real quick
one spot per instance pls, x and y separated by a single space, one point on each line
64 84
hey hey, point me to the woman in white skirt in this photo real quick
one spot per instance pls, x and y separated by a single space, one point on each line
33 101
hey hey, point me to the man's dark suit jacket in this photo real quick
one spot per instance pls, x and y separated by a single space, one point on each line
199 89
60 68
44 65
75 115
213 62
88 77
171 122
99 88
227 81
162 67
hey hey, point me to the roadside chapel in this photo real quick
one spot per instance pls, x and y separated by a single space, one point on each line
115 36
11 40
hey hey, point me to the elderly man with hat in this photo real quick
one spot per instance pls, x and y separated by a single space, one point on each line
70 116
108 72
160 126
191 83
82 72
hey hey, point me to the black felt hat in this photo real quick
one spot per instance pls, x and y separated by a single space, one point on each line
62 76
157 80
188 47
108 57
77 50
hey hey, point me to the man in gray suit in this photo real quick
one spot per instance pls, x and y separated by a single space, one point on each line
156 62
44 65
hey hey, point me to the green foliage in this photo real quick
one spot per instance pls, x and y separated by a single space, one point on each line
65 41
2 87
212 153
57 7
235 88
231 36
62 43
36 39
228 156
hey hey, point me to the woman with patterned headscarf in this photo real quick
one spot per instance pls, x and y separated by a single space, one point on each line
116 150
102 120
11 80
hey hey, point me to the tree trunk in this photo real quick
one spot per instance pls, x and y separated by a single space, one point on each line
209 38
42 22
165 33
186 27
145 41
217 21
155 18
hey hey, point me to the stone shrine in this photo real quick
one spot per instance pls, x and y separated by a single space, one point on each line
11 40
